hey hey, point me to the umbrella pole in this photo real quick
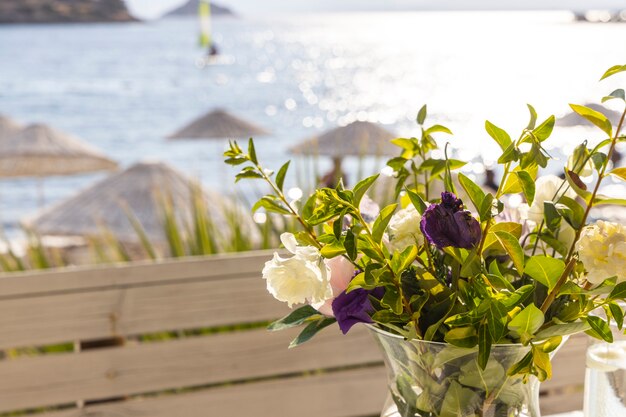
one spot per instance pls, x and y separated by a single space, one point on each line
41 198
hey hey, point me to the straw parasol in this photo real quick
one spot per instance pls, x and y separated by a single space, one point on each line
8 127
218 124
39 151
139 189
356 139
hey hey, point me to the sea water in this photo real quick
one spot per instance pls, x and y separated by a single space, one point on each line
124 87
605 380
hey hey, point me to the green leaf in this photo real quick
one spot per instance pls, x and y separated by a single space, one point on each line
613 70
311 330
351 245
599 329
421 115
236 160
510 154
526 323
527 184
577 185
519 296
619 292
601 201
462 337
545 269
619 173
295 318
270 205
392 299
485 379
551 216
617 94
544 130
565 329
475 193
490 207
499 135
594 117
402 260
252 151
533 117
575 214
618 314
458 400
333 249
523 366
248 174
484 346
513 249
437 129
361 188
280 177
543 366
378 230
496 320
417 201
551 344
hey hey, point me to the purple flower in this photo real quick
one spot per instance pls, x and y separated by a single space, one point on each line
447 224
354 307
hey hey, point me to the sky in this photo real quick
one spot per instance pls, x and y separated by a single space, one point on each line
153 8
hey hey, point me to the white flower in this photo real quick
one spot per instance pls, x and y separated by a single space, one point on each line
404 229
302 278
545 190
602 249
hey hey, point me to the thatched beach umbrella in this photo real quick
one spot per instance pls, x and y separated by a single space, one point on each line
355 139
40 151
219 124
8 127
140 189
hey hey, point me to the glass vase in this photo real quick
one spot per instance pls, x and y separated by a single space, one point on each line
430 379
605 376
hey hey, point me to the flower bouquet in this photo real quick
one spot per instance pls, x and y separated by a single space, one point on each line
468 296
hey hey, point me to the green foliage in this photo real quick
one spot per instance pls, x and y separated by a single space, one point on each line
519 283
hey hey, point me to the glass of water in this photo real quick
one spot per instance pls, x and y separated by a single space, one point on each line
605 378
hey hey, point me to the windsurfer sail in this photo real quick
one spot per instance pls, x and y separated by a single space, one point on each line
204 14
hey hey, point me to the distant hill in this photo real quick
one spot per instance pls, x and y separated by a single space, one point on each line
63 11
191 9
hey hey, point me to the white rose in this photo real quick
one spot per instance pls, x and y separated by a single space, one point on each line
545 190
602 249
404 229
302 278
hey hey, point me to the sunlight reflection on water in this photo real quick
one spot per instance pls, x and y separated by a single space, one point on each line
125 87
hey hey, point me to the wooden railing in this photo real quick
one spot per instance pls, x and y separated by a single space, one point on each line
175 346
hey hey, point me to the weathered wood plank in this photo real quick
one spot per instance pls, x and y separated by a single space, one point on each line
561 403
32 283
354 393
118 312
105 373
568 366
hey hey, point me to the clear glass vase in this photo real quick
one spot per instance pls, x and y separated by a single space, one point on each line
429 379
605 377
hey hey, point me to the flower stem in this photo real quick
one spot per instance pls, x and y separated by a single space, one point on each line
570 260
291 209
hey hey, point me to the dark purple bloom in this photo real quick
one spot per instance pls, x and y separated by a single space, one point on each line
354 307
447 224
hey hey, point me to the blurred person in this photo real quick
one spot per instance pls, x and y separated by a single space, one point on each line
331 178
490 180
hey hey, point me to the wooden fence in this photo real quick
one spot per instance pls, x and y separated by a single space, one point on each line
230 372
